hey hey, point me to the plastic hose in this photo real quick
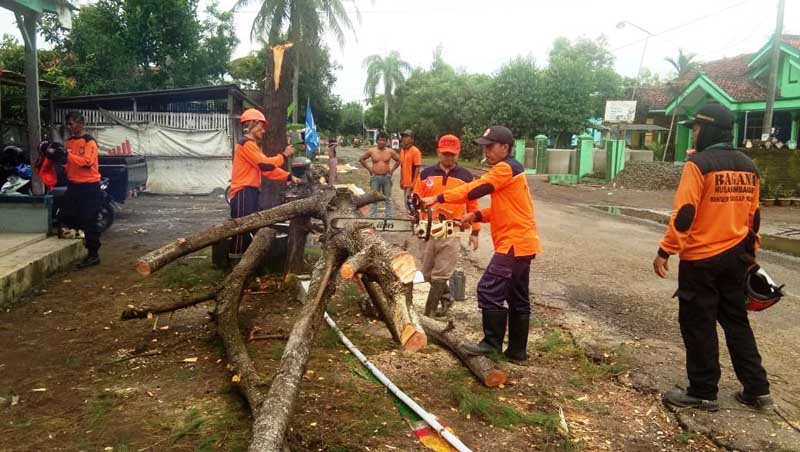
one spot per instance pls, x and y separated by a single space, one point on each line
426 416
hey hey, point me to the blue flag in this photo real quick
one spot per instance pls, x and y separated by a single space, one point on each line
312 139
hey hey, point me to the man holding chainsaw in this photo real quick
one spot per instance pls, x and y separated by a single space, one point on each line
441 251
503 289
714 230
249 164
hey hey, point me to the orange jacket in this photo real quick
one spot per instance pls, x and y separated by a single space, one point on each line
410 160
511 214
46 171
82 165
433 181
716 205
249 163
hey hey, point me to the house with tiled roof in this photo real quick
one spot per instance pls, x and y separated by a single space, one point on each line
739 83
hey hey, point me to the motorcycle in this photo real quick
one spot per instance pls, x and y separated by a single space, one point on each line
15 175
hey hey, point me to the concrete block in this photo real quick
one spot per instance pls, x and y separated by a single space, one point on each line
560 161
600 162
31 264
638 155
563 179
26 214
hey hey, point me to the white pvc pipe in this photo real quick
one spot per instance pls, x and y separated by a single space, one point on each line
426 416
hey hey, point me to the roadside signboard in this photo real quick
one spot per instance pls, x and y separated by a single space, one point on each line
620 111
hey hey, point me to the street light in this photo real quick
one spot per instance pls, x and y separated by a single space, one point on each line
622 25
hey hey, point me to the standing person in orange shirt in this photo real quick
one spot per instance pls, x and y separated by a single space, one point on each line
440 255
249 163
714 229
83 198
503 293
410 163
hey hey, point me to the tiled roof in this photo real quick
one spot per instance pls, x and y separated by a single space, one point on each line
792 40
730 74
654 97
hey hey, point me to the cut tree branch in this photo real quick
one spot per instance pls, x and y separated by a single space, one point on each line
157 259
228 302
272 417
448 336
144 311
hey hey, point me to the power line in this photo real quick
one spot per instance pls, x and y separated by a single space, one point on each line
685 24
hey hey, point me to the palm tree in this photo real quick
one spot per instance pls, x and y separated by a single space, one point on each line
390 71
683 64
302 22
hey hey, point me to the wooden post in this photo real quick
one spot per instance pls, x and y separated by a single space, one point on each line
27 27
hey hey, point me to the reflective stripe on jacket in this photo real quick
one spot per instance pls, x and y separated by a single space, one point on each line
716 205
249 163
511 213
433 181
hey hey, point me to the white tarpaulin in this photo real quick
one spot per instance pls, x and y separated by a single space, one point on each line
178 161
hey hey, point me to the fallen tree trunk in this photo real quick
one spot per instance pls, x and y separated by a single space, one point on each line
228 300
298 235
156 259
145 311
446 335
393 269
272 417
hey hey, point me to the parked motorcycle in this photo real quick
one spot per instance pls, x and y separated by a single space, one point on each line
15 179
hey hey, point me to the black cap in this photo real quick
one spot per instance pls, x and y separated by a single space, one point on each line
713 114
496 134
408 132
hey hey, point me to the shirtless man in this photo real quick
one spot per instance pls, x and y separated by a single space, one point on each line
380 176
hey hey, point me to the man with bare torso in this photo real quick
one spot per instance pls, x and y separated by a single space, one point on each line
380 175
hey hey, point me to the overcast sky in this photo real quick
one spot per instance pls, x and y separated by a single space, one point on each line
480 36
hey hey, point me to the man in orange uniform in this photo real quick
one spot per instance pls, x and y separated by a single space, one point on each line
410 163
249 163
440 255
714 229
503 289
83 198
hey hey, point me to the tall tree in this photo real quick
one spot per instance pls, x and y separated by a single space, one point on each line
389 71
683 64
351 122
303 23
128 45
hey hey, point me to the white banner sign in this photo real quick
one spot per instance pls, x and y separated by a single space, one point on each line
620 111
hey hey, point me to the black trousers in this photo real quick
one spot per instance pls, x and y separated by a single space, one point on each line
81 206
710 291
243 203
504 284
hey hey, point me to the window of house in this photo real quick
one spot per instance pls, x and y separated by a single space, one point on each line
794 74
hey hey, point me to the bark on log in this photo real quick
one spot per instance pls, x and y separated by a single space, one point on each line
446 335
298 234
160 257
144 311
272 417
244 371
393 269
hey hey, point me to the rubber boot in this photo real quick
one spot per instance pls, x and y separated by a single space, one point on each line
518 326
447 302
494 329
434 294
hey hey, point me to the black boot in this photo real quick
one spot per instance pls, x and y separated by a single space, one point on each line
89 261
447 302
494 329
518 325
434 295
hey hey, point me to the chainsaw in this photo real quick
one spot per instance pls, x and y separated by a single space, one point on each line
424 229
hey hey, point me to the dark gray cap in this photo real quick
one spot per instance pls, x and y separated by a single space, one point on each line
496 134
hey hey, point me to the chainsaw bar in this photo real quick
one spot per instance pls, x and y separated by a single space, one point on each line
379 224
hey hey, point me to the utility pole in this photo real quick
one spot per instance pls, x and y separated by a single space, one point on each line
777 39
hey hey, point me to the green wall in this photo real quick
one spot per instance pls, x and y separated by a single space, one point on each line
787 87
780 172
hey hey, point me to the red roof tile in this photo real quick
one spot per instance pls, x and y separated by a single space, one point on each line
654 97
730 74
792 40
